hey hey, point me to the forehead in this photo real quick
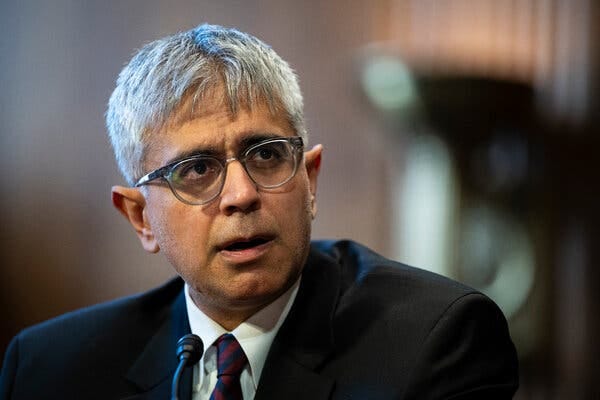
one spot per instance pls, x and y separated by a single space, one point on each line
212 127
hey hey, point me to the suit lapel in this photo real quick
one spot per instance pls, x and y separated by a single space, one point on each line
303 344
153 370
305 340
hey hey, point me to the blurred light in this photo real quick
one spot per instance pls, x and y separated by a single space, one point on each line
388 83
497 257
425 195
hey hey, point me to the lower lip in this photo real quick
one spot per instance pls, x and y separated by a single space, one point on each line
246 255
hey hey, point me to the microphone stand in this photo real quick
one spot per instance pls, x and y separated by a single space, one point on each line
189 352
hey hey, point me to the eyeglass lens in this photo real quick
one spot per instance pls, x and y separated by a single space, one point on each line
200 179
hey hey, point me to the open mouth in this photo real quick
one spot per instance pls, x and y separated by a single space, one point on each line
243 244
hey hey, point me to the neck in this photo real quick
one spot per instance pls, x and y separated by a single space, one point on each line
228 317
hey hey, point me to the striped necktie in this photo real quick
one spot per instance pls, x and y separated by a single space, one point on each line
230 363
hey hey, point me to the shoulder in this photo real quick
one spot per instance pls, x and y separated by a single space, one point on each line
414 321
95 344
362 269
106 324
378 292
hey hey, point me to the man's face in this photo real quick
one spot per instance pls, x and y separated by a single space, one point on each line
245 248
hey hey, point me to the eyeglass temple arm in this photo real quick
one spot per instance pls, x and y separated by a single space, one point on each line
150 177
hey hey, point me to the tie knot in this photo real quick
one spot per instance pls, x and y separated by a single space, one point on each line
230 356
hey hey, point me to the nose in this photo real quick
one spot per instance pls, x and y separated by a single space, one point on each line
239 191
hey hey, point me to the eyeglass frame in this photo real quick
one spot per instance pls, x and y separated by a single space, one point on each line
165 171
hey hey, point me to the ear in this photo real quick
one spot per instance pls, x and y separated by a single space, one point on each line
130 202
312 160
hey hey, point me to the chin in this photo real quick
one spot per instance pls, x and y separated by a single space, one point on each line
257 293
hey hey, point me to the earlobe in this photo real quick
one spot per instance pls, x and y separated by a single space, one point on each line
130 202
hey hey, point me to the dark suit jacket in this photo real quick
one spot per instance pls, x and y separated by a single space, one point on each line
362 327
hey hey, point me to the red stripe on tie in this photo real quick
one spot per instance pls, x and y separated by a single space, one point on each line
230 364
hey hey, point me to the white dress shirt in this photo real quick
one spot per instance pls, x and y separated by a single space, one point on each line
255 336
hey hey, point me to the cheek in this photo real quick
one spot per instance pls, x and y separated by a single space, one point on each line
180 235
299 232
295 214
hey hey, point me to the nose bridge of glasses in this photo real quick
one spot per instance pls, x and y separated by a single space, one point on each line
242 167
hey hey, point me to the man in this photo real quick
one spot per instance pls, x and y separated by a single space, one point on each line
208 131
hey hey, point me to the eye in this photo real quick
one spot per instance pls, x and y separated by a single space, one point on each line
200 167
269 153
265 153
193 168
202 170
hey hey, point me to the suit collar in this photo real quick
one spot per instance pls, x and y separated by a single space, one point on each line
305 340
153 370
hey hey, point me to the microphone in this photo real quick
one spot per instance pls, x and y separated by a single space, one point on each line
189 351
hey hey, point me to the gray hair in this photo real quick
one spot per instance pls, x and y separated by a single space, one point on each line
162 74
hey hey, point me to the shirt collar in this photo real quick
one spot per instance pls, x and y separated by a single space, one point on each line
255 335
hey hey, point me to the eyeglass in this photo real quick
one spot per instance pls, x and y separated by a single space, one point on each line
199 179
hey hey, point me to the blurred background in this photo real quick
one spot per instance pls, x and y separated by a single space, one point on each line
459 137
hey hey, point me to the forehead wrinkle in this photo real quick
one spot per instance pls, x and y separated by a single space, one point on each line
211 99
244 140
213 103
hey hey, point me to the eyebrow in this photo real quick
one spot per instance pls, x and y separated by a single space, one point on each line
247 141
252 139
206 151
